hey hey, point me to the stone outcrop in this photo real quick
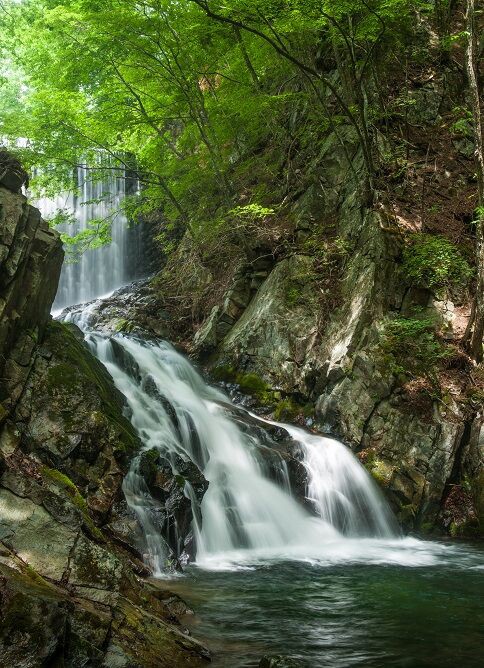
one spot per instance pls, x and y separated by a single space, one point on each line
264 333
30 260
333 359
134 309
73 588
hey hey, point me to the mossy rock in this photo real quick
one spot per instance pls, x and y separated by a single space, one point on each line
224 373
380 470
78 373
251 383
71 491
468 529
287 410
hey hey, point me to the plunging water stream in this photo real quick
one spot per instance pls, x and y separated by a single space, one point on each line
245 514
99 270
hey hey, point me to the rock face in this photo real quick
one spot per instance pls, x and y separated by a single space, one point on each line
265 334
30 260
72 591
332 359
135 308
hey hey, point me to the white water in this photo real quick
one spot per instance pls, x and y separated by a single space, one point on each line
98 271
246 517
340 489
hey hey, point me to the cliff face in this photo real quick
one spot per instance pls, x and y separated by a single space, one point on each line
311 323
70 586
30 261
419 448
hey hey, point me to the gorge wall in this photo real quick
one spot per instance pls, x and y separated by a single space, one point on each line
71 586
299 313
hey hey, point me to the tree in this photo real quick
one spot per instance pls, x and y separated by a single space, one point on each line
358 26
476 334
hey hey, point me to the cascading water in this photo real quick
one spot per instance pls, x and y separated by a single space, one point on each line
340 489
245 515
98 271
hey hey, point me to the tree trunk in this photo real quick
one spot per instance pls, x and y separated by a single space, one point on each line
245 54
476 341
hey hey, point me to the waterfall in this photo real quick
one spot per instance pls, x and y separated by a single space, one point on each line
245 514
98 271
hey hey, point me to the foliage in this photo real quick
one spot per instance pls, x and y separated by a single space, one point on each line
202 108
412 349
435 262
287 410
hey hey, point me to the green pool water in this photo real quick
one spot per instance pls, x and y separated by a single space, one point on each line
343 615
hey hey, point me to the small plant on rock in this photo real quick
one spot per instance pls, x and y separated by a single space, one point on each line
435 262
412 349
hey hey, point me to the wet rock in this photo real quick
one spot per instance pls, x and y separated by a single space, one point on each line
135 309
70 587
281 455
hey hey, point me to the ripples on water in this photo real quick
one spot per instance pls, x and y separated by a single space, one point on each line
349 614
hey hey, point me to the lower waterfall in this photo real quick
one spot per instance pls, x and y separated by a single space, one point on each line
246 515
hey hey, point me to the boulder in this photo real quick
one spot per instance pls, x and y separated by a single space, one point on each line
274 335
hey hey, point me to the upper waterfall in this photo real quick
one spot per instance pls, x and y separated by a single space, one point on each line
98 271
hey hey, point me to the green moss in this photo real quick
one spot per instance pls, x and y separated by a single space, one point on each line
75 496
79 368
294 295
61 378
3 413
225 373
379 470
35 577
123 325
407 513
149 464
251 383
180 481
467 529
309 410
287 410
427 528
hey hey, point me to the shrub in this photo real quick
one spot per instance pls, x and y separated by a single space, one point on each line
412 349
435 262
286 409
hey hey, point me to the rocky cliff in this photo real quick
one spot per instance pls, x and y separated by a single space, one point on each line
306 303
298 317
419 447
72 587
